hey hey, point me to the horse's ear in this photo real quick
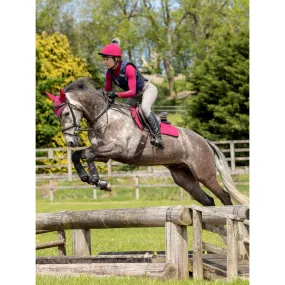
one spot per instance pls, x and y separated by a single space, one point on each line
62 94
52 97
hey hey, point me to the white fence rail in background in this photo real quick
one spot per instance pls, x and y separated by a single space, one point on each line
46 158
51 156
170 109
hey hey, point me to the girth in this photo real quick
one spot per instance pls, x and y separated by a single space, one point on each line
140 148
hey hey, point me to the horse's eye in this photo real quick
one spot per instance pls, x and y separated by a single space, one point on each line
66 114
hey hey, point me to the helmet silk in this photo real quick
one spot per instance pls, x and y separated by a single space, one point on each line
111 50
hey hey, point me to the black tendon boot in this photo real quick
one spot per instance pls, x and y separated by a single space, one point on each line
153 123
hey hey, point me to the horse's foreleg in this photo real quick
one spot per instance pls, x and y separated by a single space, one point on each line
76 156
102 153
94 178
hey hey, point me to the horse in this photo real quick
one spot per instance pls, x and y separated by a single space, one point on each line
112 133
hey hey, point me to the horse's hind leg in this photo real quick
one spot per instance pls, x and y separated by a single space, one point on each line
185 179
207 176
212 184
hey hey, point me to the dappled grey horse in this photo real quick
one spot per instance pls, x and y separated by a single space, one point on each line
113 135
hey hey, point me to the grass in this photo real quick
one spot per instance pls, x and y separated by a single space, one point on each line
125 190
132 239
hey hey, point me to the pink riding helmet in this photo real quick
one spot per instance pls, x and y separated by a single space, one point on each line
111 50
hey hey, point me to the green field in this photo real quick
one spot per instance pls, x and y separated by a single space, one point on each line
133 239
124 190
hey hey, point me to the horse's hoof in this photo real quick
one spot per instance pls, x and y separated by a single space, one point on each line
104 185
108 188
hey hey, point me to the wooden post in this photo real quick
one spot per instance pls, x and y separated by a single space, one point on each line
176 250
95 193
109 165
50 154
150 169
232 249
181 191
61 248
69 164
197 249
243 248
137 187
81 242
51 190
232 150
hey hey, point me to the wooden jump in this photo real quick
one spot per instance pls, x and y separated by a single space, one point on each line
175 263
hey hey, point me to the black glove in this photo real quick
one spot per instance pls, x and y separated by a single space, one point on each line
112 95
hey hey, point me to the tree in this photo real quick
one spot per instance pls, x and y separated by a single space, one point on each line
164 23
180 30
52 15
99 23
221 108
56 67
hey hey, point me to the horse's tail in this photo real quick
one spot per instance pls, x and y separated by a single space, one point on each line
223 168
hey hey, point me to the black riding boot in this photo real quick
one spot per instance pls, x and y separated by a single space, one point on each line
153 123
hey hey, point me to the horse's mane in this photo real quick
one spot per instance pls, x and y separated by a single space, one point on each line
87 84
84 83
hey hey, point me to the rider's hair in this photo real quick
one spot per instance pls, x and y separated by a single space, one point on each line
118 59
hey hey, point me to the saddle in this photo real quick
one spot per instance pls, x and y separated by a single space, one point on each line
165 126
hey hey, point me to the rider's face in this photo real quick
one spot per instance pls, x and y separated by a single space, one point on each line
109 62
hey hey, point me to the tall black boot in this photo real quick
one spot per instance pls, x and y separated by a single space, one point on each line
153 123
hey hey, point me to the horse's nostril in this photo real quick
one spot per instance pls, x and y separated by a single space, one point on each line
71 144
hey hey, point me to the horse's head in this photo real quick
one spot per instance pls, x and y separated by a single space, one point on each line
70 115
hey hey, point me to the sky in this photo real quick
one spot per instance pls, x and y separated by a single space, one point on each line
267 152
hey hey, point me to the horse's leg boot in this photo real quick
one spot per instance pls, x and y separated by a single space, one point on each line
153 123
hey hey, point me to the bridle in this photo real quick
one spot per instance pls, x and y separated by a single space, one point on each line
78 129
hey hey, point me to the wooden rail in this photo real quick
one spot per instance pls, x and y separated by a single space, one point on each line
117 218
60 243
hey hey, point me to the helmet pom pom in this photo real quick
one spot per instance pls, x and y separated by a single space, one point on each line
116 41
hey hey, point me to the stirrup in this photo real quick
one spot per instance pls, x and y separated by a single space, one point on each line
157 143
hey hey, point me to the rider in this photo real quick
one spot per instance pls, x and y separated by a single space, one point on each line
137 88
